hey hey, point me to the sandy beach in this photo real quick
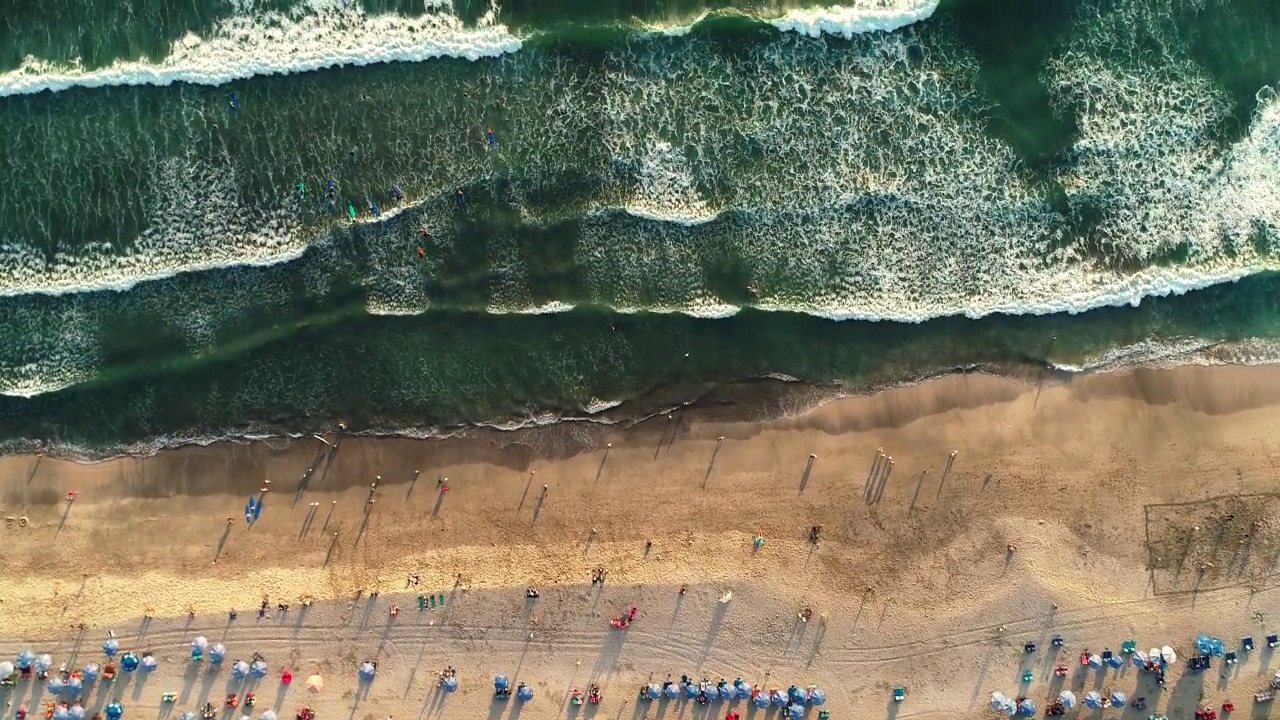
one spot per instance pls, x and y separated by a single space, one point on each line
1104 508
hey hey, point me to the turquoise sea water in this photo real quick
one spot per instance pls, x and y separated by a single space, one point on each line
846 197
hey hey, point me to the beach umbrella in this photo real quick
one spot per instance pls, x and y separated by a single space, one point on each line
691 691
450 684
187 716
1168 654
501 682
239 669
796 711
111 647
654 691
61 713
6 669
129 661
1027 708
25 658
761 700
711 692
77 712
149 663
1095 661
200 643
57 685
817 697
1068 700
258 668
1139 659
90 671
43 663
744 690
1093 699
268 715
367 671
524 693
217 653
286 677
315 683
1119 699
672 691
795 694
75 685
115 710
779 698
245 717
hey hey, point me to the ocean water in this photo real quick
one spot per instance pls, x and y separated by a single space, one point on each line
677 197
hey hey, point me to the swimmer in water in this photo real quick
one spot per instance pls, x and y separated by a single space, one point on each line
373 208
396 193
302 189
462 199
491 138
235 103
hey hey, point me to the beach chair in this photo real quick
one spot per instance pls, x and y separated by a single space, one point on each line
1247 643
1029 647
109 672
422 602
1057 641
824 715
1106 654
440 600
1273 640
899 694
169 698
431 602
1129 647
1229 658
1027 676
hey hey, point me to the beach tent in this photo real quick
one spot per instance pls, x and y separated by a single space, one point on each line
779 698
1093 699
258 668
268 715
217 653
1095 661
672 691
239 669
524 693
115 710
762 700
450 684
61 713
90 671
1119 699
57 685
77 712
817 697
796 711
1210 646
75 685
111 647
653 692
149 663
315 683
129 661
25 659
7 669
1068 700
43 663
501 682
368 670
1027 708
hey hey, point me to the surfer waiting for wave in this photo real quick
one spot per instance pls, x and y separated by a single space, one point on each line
462 199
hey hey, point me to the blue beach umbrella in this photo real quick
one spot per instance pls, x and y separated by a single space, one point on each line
1093 700
61 712
795 694
653 692
57 685
1068 700
149 663
1027 708
1119 699
91 671
43 663
691 691
524 693
450 684
115 710
761 700
1095 661
217 653
817 697
268 715
779 698
672 691
239 669
25 659
129 661
111 647
258 668
711 692
75 685
796 711
501 682
744 690
368 670
77 712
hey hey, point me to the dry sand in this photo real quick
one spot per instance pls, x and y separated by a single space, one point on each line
1098 483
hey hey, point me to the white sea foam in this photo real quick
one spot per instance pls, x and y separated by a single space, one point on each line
862 16
321 36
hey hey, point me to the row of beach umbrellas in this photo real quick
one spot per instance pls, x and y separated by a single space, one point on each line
1026 707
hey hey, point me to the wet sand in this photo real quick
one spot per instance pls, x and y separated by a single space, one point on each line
1098 484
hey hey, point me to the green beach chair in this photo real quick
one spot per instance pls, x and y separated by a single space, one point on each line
441 600
422 602
899 694
431 601
1129 647
1027 676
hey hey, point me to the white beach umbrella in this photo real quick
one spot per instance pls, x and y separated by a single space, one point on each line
1168 654
6 669
200 643
1068 699
268 715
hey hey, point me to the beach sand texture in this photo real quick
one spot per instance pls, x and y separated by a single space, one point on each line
1098 484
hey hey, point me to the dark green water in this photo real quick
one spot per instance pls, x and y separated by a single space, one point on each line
875 208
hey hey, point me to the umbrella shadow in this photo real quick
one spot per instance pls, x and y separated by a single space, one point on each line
711 465
189 679
808 470
717 621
